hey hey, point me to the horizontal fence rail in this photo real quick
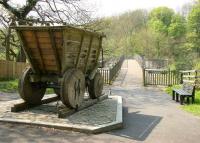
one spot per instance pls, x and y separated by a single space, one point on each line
10 69
109 74
191 76
160 77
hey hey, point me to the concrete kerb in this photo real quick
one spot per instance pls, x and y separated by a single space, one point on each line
118 123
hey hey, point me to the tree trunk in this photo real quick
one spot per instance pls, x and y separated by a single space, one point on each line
21 57
8 44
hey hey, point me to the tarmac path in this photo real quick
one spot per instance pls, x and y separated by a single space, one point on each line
150 116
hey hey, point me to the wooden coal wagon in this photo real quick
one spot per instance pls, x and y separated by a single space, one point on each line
64 58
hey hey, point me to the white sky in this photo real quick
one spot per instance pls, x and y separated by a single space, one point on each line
114 7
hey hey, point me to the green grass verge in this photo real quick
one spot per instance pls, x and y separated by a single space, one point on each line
11 86
192 108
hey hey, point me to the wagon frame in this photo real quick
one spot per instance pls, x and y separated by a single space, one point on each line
64 58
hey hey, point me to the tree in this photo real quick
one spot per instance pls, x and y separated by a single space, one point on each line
163 14
194 28
177 28
39 11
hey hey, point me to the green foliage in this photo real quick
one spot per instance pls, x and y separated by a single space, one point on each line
194 108
168 90
177 28
49 91
194 19
9 86
161 33
158 26
162 14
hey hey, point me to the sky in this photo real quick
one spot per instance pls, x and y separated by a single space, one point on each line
115 7
103 8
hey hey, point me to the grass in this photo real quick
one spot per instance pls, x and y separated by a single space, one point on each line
194 108
191 108
11 86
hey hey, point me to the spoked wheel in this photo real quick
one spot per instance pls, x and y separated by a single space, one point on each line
31 93
73 88
95 86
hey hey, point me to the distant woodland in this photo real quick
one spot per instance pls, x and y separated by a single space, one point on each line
160 33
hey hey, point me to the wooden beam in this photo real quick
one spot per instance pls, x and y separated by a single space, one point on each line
24 106
27 52
80 49
88 54
54 47
39 50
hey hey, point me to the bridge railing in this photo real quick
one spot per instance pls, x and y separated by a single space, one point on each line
109 74
161 77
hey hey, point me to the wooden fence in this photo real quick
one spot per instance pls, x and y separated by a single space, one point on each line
160 77
10 69
191 76
109 74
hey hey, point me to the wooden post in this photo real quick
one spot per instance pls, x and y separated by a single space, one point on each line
181 80
110 76
196 77
102 58
143 72
168 78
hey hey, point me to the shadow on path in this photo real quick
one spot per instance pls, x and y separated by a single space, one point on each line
137 126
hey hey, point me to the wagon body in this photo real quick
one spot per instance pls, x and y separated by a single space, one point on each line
55 49
64 58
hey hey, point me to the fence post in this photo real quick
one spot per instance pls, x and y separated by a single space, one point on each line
181 80
143 72
195 82
168 78
110 74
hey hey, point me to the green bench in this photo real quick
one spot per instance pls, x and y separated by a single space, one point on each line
187 91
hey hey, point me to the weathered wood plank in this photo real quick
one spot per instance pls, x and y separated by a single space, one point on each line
88 53
57 58
27 52
24 106
39 51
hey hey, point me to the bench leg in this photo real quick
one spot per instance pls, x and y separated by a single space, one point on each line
181 99
188 100
193 99
173 95
177 97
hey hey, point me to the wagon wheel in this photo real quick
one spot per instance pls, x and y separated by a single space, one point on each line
32 93
95 86
73 88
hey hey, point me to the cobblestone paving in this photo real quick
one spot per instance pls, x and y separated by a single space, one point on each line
101 113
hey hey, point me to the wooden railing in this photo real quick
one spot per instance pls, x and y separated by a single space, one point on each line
109 74
191 76
160 77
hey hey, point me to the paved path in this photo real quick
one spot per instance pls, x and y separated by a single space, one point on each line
150 116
